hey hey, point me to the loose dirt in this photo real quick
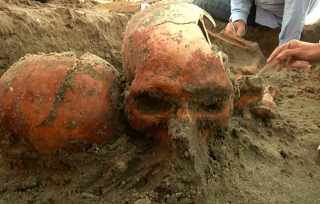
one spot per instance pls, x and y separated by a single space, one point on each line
252 161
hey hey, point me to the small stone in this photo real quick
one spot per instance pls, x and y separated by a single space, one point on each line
120 167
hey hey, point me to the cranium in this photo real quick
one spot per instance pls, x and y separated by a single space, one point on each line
173 71
60 101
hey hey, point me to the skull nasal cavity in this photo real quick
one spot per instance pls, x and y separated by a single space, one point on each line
150 105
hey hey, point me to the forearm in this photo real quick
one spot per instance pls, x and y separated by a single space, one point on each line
295 12
240 10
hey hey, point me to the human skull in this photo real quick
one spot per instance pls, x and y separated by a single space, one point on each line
173 71
60 101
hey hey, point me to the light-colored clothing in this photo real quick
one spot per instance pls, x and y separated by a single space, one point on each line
290 14
314 13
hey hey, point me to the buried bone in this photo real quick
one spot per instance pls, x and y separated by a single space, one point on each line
173 72
60 101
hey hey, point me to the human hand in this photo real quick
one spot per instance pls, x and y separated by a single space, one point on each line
296 54
238 28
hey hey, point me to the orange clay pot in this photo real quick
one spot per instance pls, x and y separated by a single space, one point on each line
59 101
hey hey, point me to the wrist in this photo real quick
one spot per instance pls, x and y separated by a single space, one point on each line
240 15
316 48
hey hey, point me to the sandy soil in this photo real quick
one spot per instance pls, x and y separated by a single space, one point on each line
252 161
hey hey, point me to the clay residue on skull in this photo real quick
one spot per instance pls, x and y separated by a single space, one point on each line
249 84
85 68
208 99
248 91
191 161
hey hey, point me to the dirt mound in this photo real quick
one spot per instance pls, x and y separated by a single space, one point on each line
252 161
32 27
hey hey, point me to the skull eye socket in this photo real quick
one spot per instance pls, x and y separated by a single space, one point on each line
150 105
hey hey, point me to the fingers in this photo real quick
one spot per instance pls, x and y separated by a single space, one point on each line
288 65
286 54
279 67
292 63
284 51
240 27
277 51
237 28
240 31
300 64
229 29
